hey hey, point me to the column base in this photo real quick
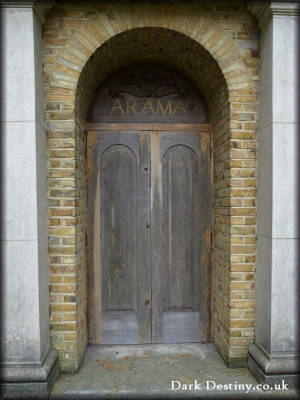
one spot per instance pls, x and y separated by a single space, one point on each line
29 381
273 369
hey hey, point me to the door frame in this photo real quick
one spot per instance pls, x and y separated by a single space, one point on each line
94 277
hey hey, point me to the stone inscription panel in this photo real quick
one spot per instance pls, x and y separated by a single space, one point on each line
147 93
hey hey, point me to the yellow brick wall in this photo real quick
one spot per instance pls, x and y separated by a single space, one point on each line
215 45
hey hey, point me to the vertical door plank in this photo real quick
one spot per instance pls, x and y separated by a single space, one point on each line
181 262
205 209
144 244
179 174
93 242
119 228
156 238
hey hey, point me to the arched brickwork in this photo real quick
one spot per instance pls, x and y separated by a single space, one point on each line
82 46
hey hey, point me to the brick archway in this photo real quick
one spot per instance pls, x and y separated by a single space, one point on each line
96 44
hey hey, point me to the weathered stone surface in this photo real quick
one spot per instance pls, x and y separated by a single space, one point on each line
147 372
275 354
25 338
31 381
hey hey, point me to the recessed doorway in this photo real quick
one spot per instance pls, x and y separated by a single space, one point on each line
148 209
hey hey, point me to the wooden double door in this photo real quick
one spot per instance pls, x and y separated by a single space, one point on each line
149 233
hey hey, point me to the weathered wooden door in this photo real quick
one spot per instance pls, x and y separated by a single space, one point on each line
119 212
180 235
149 224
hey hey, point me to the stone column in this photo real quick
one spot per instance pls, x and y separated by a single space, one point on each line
273 357
28 365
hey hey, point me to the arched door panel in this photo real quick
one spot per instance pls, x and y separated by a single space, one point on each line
180 224
118 241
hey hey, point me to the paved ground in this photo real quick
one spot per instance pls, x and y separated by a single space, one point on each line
147 371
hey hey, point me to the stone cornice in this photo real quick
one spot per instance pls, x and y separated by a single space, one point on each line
17 4
40 8
264 11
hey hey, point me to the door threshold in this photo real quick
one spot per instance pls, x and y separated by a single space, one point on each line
136 350
147 371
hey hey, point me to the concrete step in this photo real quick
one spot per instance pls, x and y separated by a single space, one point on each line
153 371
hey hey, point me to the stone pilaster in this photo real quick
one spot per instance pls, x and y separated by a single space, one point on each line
28 365
274 356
